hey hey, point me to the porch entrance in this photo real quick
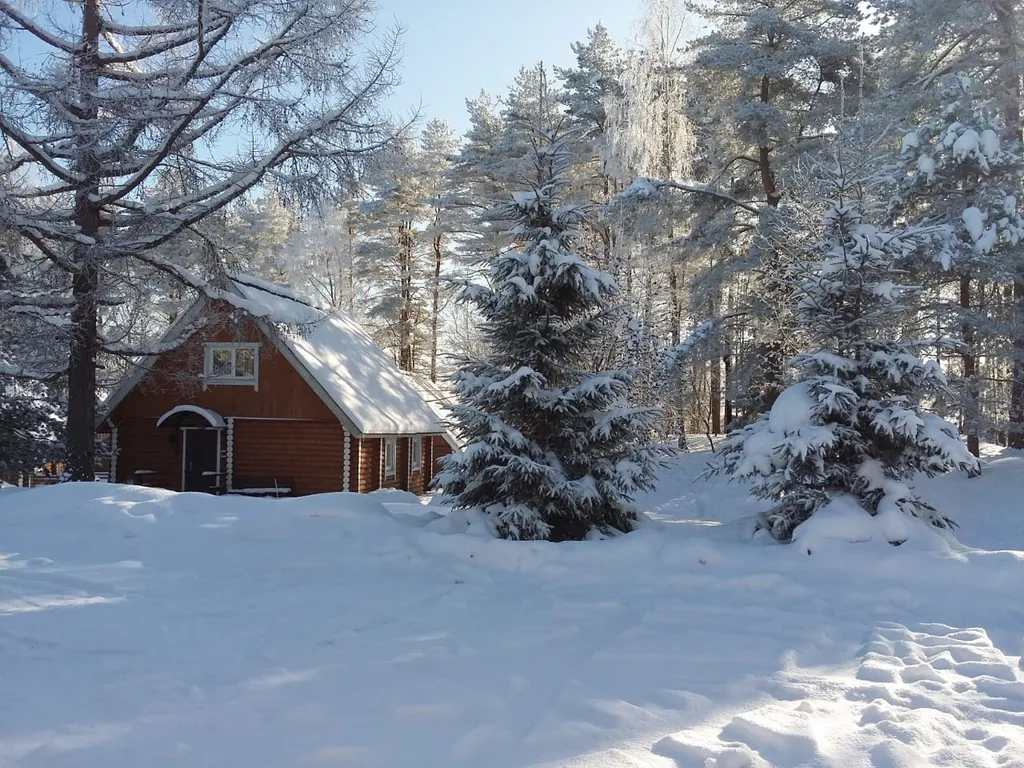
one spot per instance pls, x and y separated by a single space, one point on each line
200 449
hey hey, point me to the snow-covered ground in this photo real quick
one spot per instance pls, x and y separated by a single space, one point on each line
145 628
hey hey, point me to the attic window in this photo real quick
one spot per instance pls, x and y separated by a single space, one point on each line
232 364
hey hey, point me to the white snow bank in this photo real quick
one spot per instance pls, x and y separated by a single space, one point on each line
144 627
844 520
979 505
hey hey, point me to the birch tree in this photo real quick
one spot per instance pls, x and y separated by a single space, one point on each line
437 148
318 258
649 135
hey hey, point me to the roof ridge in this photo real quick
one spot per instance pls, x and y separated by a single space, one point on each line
283 291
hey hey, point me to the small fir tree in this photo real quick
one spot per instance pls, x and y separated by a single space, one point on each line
852 423
553 450
31 426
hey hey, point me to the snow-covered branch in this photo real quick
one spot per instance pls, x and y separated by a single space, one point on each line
643 189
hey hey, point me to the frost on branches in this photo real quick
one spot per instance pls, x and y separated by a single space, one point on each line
958 169
851 425
553 450
955 167
130 131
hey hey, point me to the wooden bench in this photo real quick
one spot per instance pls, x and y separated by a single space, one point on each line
262 487
146 477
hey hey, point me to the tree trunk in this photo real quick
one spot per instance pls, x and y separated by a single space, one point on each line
606 232
1009 76
727 416
773 356
1016 429
676 318
405 295
764 157
970 371
350 276
715 397
627 268
715 379
435 308
675 331
85 277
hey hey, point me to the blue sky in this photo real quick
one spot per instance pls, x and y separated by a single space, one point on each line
453 48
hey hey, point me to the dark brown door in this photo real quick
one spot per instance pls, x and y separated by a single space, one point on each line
200 460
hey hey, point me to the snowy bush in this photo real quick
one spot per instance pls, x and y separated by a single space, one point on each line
851 424
553 448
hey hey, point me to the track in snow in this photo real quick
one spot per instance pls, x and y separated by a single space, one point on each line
928 696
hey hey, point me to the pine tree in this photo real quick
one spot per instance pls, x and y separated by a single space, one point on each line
479 174
782 73
596 80
587 91
553 451
31 408
955 169
531 106
852 423
926 46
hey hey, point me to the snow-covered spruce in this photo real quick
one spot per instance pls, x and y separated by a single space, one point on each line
553 451
851 425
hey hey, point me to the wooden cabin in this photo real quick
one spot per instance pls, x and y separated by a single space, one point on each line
261 393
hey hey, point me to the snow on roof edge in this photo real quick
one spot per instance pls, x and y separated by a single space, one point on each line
339 354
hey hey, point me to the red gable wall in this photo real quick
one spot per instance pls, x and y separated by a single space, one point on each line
175 379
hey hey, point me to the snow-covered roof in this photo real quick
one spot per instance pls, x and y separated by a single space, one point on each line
277 303
343 360
439 400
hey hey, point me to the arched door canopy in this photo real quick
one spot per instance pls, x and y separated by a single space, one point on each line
213 418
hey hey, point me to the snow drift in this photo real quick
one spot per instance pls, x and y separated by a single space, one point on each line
144 627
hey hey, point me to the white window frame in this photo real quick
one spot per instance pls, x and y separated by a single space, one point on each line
392 444
416 453
243 381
